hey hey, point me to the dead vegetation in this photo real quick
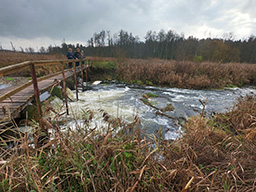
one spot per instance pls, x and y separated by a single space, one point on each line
216 154
186 74
182 74
11 57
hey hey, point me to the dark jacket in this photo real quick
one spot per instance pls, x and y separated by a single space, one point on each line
70 55
78 55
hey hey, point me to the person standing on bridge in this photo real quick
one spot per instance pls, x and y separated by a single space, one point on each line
70 56
78 55
83 56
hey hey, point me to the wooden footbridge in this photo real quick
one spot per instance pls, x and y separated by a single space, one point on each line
15 98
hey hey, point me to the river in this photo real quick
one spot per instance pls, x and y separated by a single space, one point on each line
125 102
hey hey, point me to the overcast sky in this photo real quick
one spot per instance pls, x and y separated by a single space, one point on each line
36 23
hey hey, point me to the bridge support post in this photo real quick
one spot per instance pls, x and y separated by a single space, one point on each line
36 91
86 69
42 134
74 63
65 88
82 74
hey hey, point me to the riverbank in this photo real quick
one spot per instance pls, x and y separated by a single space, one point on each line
179 74
217 154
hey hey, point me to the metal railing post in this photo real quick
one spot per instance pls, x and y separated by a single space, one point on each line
43 135
65 88
36 91
86 76
75 80
82 74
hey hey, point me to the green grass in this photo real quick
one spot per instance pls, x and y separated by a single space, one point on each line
9 78
139 82
107 65
151 95
230 86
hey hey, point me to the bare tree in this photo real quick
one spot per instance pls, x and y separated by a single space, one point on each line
42 50
21 49
13 48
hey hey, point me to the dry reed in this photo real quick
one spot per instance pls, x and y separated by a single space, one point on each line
183 74
187 74
212 155
10 57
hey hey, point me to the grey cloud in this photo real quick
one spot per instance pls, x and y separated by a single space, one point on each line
77 20
29 19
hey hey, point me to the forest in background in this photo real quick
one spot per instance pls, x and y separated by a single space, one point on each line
164 58
165 45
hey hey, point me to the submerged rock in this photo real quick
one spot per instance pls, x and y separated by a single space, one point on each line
157 102
168 107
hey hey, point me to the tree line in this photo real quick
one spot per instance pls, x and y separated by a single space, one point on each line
166 45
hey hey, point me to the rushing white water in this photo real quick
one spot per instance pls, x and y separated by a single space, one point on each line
2 86
124 102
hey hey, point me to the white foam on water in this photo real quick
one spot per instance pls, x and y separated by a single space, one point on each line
107 100
125 103
96 82
2 86
170 135
179 98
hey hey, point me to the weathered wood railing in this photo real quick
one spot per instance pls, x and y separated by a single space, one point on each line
31 65
21 66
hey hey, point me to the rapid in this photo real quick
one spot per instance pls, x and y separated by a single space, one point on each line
126 102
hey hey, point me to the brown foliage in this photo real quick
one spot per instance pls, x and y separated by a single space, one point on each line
10 57
183 74
207 157
187 74
242 118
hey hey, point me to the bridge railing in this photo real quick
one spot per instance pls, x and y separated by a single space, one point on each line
32 64
22 66
19 66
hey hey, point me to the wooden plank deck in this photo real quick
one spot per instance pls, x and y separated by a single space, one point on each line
17 102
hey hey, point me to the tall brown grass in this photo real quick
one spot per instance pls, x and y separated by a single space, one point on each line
212 155
10 57
187 74
183 74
